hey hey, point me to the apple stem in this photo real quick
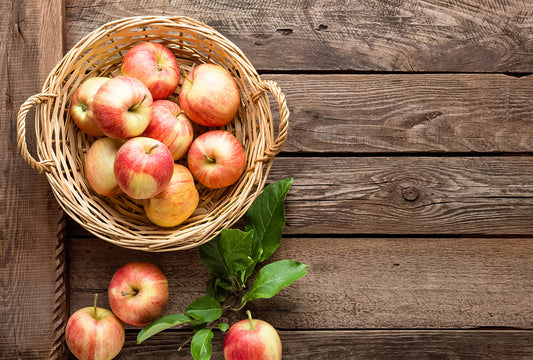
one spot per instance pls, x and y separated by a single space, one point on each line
95 300
186 76
249 313
127 293
153 148
134 107
209 158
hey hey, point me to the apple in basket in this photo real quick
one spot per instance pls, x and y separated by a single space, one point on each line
155 65
138 293
94 333
216 159
210 96
99 166
171 126
143 167
122 107
81 105
252 339
176 203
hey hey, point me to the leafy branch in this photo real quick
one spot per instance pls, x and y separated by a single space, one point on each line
232 257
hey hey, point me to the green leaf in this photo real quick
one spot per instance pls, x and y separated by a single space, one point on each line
266 217
228 255
201 347
223 327
273 277
205 309
212 256
161 324
237 247
217 288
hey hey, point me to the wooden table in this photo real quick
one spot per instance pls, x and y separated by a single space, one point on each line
410 143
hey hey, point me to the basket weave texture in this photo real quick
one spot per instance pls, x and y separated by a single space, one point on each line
62 147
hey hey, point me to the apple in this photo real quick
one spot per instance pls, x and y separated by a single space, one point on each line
171 126
81 105
210 96
216 159
252 339
99 166
122 107
155 65
138 293
94 333
143 167
177 202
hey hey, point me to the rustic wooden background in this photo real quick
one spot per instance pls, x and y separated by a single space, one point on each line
410 143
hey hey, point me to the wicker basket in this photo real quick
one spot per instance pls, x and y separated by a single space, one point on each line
62 147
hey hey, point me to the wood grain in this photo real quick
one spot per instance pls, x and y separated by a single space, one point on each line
436 35
408 195
376 345
32 284
411 113
353 283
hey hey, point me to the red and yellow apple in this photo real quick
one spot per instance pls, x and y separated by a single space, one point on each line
176 203
209 95
99 166
143 167
81 105
155 65
122 107
94 333
216 159
252 339
171 126
138 293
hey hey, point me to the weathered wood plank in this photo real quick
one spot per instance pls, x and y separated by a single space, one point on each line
32 284
405 195
408 195
408 113
365 283
376 345
436 35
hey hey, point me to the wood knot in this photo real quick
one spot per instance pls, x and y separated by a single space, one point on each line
410 193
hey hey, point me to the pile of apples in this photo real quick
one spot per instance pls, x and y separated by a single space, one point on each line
142 133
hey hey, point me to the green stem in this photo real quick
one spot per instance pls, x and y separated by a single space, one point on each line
249 313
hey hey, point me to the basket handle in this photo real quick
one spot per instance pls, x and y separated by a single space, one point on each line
40 166
275 147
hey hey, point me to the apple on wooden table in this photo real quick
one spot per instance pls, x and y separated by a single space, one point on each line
122 107
210 96
176 202
155 65
216 159
171 126
138 293
81 105
252 339
143 167
94 333
99 166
